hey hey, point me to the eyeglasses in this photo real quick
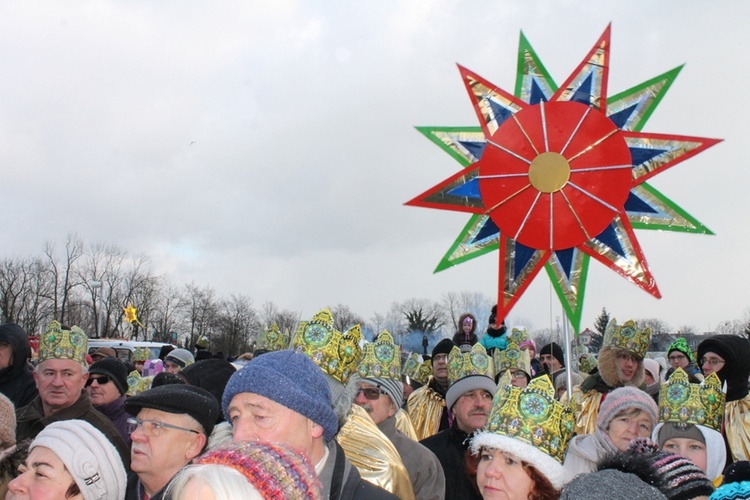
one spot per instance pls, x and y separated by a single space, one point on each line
518 374
626 356
370 393
677 357
712 361
153 427
104 379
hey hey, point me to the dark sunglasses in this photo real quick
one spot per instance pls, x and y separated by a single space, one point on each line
101 380
370 393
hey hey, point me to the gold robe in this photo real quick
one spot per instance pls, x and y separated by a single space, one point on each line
425 408
403 424
586 408
737 427
373 454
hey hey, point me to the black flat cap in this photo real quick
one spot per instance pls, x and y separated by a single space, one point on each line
180 399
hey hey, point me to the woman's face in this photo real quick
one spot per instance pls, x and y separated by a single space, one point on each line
43 476
625 427
692 449
501 475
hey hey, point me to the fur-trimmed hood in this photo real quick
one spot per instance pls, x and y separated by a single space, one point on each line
609 372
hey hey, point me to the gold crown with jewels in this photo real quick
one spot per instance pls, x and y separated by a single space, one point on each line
685 403
417 368
512 357
141 354
336 353
273 339
381 359
57 343
518 336
474 362
627 336
532 415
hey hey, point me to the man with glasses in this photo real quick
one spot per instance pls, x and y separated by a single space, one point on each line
426 405
680 356
728 356
379 393
107 385
169 427
469 399
61 377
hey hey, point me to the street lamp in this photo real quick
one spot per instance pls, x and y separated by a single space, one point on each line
97 285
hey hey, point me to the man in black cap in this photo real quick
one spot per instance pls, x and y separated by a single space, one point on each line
426 405
107 385
553 361
170 428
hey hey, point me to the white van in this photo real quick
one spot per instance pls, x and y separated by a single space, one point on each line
125 348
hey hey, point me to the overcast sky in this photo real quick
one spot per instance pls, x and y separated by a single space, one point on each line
267 148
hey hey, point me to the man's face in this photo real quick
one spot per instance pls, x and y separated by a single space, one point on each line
550 362
6 354
171 367
257 418
101 392
379 409
471 410
440 368
60 382
168 450
518 378
627 365
678 360
712 363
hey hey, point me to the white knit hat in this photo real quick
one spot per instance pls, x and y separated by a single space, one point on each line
88 455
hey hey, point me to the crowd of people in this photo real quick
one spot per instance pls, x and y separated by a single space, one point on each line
324 414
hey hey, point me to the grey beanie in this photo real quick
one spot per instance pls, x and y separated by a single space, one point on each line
394 388
180 357
611 484
88 455
673 430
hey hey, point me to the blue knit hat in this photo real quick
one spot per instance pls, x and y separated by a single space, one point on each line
290 379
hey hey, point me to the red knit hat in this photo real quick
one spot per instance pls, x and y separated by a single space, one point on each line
275 470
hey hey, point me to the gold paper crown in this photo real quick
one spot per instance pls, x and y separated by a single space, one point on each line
336 353
381 359
686 403
273 339
141 354
417 368
518 336
474 362
627 336
57 343
532 415
512 357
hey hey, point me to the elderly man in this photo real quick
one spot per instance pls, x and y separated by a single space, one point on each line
283 396
426 405
469 398
60 377
169 428
620 364
380 393
107 385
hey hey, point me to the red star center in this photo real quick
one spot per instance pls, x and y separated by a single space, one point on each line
555 174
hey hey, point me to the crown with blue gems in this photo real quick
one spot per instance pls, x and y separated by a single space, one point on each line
381 359
627 336
273 339
337 354
532 415
141 354
685 403
57 343
474 362
512 357
417 368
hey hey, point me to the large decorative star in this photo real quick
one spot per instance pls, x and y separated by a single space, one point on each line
556 175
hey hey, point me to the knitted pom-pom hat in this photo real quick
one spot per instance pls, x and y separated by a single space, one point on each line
274 469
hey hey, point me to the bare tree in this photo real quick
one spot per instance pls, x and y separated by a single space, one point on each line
166 317
478 304
423 315
63 274
238 326
286 320
23 283
200 311
344 318
657 326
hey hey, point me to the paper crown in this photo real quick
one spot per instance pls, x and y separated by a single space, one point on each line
587 362
417 368
627 336
381 359
532 415
57 343
686 403
474 362
141 354
518 336
273 339
337 354
512 357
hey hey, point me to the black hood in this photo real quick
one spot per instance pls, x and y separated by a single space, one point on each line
19 340
735 372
